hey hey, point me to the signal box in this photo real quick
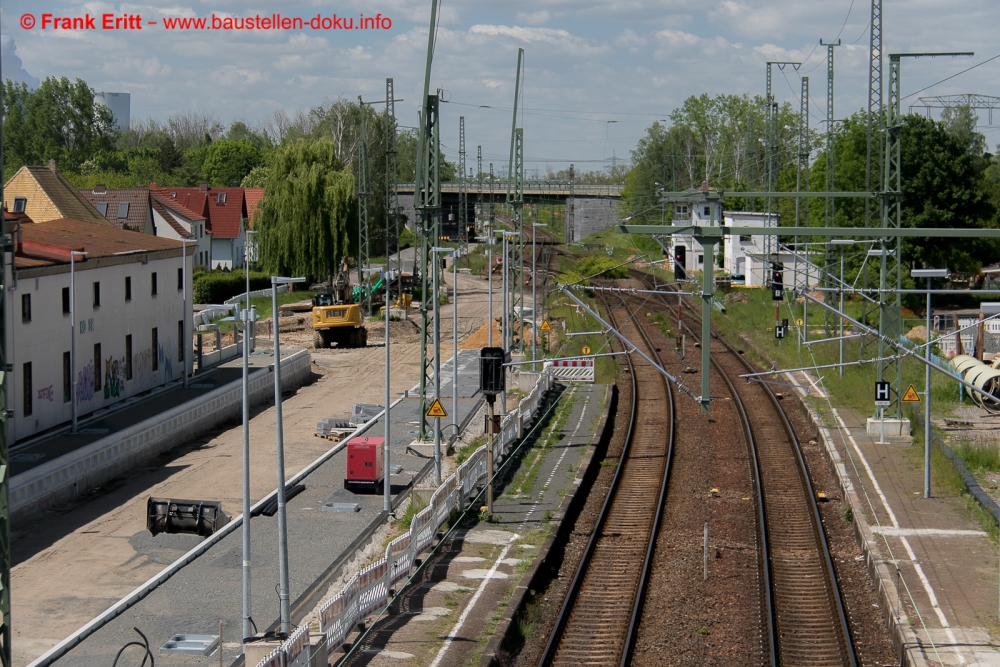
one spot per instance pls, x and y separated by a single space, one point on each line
365 466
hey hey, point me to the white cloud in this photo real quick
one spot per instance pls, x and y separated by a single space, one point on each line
555 37
534 18
629 39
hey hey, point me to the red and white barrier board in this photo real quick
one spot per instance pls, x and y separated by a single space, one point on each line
571 370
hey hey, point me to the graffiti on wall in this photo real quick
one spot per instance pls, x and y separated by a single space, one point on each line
163 358
46 393
142 365
114 377
85 383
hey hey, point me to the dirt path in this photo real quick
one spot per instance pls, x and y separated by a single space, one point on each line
73 564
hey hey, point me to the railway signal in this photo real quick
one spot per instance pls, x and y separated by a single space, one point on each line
777 282
679 263
492 381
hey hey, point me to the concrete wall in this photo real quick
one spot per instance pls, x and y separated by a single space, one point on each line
46 338
592 214
65 478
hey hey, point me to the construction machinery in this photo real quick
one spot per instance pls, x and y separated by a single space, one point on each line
336 318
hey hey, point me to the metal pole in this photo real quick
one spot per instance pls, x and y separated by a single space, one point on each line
72 338
387 483
186 343
840 287
247 612
489 460
927 408
454 344
437 370
534 298
283 588
489 281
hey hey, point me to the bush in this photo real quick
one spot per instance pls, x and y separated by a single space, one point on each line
606 267
217 286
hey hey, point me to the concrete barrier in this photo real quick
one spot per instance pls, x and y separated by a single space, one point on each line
68 476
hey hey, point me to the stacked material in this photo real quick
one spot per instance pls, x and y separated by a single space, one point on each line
364 413
331 426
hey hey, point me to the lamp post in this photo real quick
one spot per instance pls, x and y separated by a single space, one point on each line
283 587
841 243
72 340
454 340
249 318
387 278
250 251
929 274
186 343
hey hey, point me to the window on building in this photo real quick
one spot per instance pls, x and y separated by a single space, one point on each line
680 209
67 378
26 379
180 279
97 367
97 295
19 204
701 259
65 300
25 307
155 348
128 288
102 208
180 342
222 198
708 210
122 210
153 291
128 357
746 238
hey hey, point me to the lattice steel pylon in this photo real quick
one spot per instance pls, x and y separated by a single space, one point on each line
988 103
5 632
515 199
801 166
391 174
427 205
891 265
771 141
831 211
364 191
875 140
463 184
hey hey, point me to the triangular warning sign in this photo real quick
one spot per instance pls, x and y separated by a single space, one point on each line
545 326
436 409
911 396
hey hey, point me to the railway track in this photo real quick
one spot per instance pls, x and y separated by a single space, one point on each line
597 622
807 623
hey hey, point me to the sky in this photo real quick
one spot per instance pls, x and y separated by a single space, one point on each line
597 73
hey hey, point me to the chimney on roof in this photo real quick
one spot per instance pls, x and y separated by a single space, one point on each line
203 187
52 166
100 189
152 185
234 184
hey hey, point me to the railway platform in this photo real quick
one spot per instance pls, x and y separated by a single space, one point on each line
937 565
448 616
328 526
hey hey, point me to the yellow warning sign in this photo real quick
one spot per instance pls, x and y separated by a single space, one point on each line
911 396
798 322
436 409
585 349
545 326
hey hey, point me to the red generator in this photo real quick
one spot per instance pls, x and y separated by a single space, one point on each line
365 466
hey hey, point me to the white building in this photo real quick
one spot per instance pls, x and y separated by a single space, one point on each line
129 323
120 105
215 217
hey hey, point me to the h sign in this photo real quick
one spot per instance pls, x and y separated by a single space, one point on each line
883 395
779 331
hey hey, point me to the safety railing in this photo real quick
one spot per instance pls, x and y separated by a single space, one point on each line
372 588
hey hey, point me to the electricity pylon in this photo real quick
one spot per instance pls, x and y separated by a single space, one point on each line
515 199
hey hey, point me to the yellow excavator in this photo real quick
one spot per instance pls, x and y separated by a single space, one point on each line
335 318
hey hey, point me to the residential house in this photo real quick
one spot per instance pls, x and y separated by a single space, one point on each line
123 303
125 208
224 212
44 195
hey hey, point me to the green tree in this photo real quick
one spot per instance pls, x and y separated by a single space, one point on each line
228 161
302 220
58 120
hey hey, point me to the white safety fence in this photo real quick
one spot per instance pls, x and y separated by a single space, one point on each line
571 370
371 589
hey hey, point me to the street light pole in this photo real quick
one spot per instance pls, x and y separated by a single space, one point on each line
387 279
454 341
929 274
249 317
284 601
72 340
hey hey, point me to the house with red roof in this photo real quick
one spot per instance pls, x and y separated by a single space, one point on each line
214 217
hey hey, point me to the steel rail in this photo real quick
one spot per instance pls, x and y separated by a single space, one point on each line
572 595
813 506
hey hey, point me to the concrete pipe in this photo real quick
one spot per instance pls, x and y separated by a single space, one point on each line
982 376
